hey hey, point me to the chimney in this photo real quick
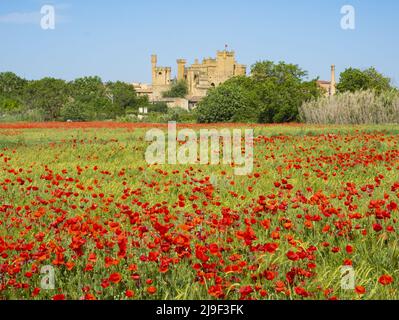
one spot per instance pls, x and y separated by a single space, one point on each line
333 74
333 83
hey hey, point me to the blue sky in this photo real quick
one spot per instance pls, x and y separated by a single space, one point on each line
114 39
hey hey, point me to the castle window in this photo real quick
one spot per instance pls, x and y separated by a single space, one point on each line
160 73
213 85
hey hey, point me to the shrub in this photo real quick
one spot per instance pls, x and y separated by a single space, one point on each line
160 107
74 110
34 115
180 115
179 89
361 107
229 102
8 105
129 118
273 94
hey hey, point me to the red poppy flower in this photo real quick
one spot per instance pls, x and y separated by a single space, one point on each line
292 256
115 278
385 279
301 291
151 290
263 293
89 296
349 249
35 292
129 293
360 290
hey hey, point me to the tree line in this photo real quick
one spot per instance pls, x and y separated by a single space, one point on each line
84 99
273 93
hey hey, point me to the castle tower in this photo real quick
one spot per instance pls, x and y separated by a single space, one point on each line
154 61
160 77
333 83
225 61
168 75
181 66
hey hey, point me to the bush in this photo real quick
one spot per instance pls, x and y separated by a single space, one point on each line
273 94
129 118
160 107
230 102
8 105
180 115
178 90
172 114
361 107
35 115
75 111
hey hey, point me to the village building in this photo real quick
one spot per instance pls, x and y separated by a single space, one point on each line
329 87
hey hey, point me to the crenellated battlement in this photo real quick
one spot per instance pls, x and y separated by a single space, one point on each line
200 76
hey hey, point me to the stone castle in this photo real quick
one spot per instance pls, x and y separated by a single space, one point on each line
200 77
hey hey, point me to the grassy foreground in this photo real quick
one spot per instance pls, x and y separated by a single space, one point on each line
84 202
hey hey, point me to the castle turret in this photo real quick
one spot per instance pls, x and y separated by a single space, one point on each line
160 77
154 61
181 66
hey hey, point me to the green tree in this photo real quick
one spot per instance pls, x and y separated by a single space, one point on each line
281 89
11 86
370 79
160 107
8 105
229 102
48 95
75 111
87 88
90 94
11 91
273 94
179 89
278 73
123 97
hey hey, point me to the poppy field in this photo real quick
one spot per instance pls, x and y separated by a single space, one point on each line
316 219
